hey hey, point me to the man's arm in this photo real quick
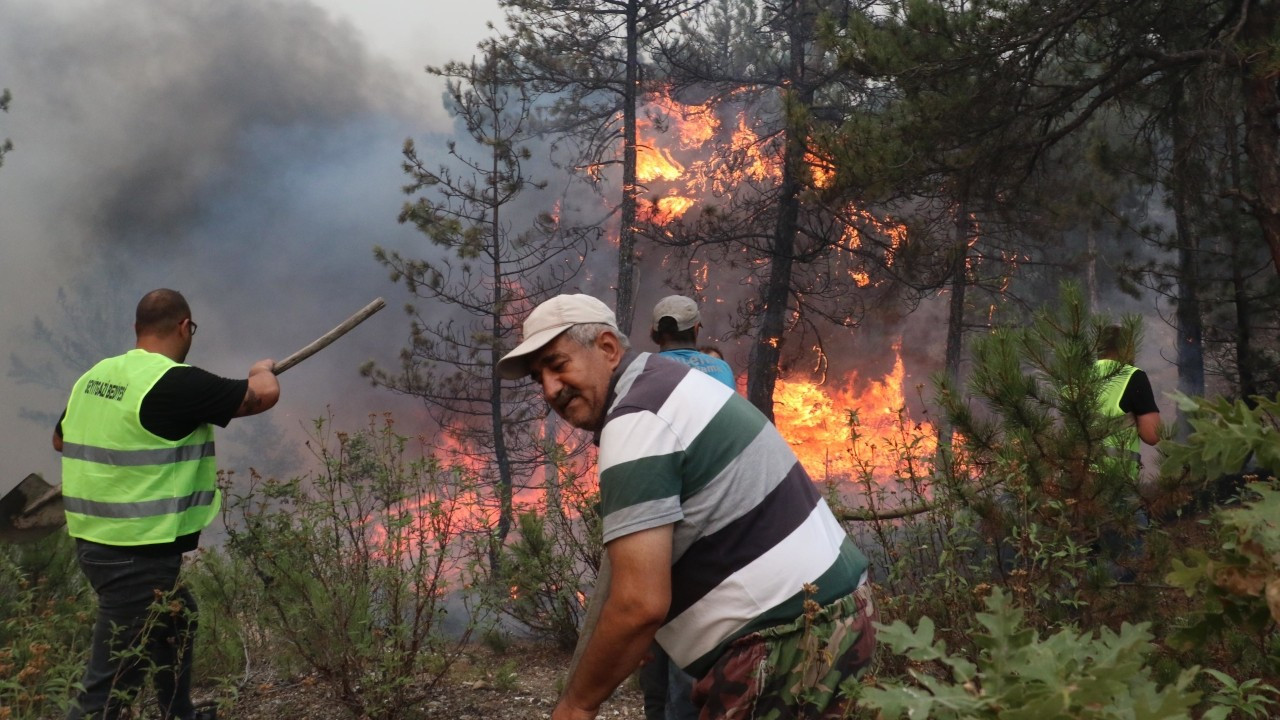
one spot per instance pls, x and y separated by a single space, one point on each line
637 603
1148 425
263 390
57 440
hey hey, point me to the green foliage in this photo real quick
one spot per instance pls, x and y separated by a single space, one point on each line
548 568
230 604
1224 434
46 616
544 590
1028 468
355 562
1019 675
1237 583
1249 698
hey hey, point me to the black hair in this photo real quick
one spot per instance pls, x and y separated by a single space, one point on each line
161 311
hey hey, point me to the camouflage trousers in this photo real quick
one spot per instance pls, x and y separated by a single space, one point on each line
793 670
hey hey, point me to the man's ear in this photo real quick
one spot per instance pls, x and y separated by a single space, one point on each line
607 342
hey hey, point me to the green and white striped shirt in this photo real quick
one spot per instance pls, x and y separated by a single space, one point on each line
750 529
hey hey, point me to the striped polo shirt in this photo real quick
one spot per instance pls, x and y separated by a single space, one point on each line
750 529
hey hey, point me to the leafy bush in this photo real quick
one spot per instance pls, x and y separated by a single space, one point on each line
552 559
1224 435
1056 519
1238 583
47 610
1017 674
355 563
1016 493
229 644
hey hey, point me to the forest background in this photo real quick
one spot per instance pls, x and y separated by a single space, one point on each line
876 204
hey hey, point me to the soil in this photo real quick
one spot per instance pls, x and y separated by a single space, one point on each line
520 683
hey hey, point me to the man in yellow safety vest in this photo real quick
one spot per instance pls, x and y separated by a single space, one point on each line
139 484
1126 391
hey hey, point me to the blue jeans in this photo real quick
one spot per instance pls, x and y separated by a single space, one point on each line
146 625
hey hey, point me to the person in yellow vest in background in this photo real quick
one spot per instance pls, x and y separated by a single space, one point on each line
139 483
1126 391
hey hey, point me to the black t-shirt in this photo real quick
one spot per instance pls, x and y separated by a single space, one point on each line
183 399
1138 398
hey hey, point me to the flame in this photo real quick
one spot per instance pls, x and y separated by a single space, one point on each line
697 124
816 421
757 164
821 169
665 209
653 163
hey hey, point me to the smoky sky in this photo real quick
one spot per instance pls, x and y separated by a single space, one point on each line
244 152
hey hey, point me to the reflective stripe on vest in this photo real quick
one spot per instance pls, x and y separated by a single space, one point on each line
134 458
122 484
148 508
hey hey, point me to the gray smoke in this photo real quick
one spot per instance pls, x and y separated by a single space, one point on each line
245 152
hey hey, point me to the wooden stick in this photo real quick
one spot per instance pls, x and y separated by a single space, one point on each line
324 340
594 605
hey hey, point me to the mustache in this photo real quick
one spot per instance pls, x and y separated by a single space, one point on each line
563 397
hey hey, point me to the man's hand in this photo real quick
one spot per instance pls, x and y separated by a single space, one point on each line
263 390
637 602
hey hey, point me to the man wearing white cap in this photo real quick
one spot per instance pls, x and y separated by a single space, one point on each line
721 546
676 322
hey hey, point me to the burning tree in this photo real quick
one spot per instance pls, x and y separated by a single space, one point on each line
1023 113
588 53
813 254
490 275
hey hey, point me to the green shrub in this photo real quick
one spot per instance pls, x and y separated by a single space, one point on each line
48 611
355 562
551 560
1018 675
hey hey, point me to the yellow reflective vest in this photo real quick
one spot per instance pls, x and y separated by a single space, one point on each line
121 484
1122 444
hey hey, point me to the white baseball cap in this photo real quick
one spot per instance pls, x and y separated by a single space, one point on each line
546 322
679 308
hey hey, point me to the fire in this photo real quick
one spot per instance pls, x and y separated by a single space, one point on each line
696 126
665 209
817 422
822 170
654 163
758 165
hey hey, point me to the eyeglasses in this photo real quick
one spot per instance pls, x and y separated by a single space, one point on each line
193 325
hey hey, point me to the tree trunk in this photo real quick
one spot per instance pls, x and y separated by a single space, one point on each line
762 367
1239 282
625 307
955 315
1190 350
1261 108
501 456
1091 268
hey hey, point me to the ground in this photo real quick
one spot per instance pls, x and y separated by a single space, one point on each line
519 683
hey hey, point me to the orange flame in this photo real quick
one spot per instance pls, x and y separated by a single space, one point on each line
816 421
665 209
